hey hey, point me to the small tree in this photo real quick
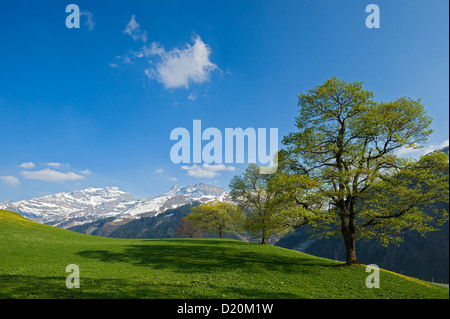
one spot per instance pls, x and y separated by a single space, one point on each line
215 216
188 229
253 193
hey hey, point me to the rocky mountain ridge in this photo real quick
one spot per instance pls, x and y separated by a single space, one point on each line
67 210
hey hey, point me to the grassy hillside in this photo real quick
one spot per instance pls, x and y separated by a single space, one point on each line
34 258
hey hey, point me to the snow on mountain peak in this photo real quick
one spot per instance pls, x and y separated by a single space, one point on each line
197 190
90 204
177 196
77 207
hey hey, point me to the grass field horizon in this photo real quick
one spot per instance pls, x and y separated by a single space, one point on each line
34 259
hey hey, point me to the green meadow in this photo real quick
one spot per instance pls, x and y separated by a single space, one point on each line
33 260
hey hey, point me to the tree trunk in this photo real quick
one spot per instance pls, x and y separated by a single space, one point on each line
263 237
350 250
220 234
348 230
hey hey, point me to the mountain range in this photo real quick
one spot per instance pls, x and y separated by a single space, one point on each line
66 210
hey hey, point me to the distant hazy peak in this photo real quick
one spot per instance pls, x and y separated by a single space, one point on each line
196 190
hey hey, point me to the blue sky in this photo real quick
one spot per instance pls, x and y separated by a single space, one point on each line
94 106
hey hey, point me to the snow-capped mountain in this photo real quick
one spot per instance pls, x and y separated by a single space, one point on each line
70 209
198 191
174 198
78 207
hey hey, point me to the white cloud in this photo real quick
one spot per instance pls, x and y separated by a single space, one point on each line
180 67
86 172
417 152
89 19
404 150
27 165
159 170
49 175
133 29
10 181
173 179
176 68
207 170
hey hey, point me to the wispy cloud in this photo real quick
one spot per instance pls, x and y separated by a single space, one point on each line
49 175
10 181
417 152
159 170
56 165
27 165
192 97
133 29
172 179
86 172
89 19
207 170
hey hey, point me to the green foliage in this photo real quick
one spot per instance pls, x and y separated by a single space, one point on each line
217 217
296 199
253 193
400 202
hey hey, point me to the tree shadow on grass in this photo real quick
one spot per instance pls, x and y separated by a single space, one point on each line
200 256
35 287
45 287
212 262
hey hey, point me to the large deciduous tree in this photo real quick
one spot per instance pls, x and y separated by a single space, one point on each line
346 142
